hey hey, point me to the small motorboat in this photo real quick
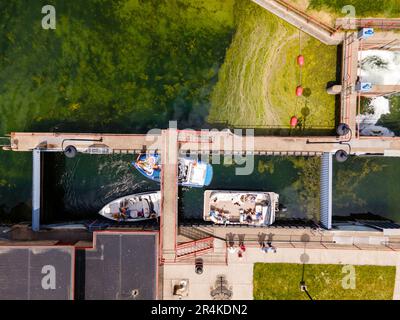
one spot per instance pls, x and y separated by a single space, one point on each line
149 165
194 173
191 172
240 207
132 208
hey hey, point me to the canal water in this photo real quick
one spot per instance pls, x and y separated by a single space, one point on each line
367 185
75 189
276 174
15 186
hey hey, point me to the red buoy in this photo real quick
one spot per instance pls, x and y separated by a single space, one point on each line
299 91
293 121
300 60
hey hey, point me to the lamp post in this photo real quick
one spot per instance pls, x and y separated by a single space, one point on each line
303 288
304 258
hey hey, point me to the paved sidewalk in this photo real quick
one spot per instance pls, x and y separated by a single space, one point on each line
239 271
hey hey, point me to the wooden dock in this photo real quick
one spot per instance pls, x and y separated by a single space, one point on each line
204 142
84 142
169 195
349 78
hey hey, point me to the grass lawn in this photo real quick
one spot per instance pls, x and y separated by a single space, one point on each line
257 83
376 8
280 281
329 10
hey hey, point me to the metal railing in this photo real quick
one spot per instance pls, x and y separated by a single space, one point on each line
379 23
307 17
195 248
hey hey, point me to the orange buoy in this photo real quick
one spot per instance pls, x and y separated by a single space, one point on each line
293 121
300 60
299 91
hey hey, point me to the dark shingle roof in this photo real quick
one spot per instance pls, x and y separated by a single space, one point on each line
26 273
120 266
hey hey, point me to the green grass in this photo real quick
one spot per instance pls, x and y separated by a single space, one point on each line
364 8
280 281
317 109
256 86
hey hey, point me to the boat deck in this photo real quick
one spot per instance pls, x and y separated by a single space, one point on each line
232 205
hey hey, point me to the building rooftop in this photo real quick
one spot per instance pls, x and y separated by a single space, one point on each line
36 273
120 266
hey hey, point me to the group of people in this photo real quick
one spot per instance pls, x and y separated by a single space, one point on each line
265 246
250 216
268 247
218 216
241 249
124 213
248 198
148 165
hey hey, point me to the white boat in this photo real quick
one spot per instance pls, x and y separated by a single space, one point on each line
194 173
191 172
240 207
132 208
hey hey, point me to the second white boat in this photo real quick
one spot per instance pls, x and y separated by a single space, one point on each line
240 207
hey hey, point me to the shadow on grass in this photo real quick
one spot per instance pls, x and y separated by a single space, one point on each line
282 131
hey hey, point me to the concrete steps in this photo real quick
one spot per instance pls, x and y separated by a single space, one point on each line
195 248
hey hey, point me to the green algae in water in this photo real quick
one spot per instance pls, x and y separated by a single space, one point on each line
116 66
15 186
286 178
367 184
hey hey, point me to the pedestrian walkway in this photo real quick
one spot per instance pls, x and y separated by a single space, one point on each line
169 191
242 286
302 21
379 23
